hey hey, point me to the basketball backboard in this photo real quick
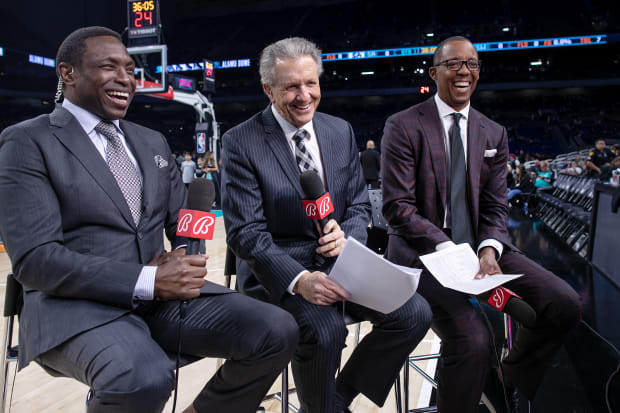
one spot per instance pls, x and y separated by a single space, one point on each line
151 64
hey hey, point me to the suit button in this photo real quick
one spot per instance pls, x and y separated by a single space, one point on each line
140 235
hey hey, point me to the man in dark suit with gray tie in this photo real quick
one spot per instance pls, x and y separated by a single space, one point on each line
86 197
444 181
283 258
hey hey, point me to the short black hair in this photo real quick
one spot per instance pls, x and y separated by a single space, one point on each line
72 48
440 46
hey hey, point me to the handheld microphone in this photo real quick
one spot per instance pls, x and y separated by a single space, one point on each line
317 205
508 302
196 222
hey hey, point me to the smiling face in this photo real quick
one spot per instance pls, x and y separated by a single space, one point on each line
103 83
296 92
455 87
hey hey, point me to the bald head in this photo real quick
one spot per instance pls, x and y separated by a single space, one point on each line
370 144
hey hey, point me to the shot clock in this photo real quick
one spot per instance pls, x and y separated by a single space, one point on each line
143 18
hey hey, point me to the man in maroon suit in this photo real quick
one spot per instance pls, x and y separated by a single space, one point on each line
444 181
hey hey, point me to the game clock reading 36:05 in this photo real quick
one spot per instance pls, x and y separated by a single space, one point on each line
142 13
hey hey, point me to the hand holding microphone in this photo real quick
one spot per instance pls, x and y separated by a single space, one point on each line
316 287
332 242
180 274
502 298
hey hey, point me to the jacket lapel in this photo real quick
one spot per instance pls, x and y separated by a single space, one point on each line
476 143
140 148
433 133
279 146
68 130
327 149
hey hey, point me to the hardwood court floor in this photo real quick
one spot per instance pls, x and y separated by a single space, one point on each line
36 391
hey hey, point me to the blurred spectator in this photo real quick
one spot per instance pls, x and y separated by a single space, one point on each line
180 160
581 163
371 165
510 179
535 168
573 169
601 155
616 149
188 169
605 171
212 171
200 164
523 183
543 180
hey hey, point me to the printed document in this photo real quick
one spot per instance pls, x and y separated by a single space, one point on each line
373 281
455 267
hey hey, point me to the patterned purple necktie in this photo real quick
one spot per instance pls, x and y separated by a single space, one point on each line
123 169
302 155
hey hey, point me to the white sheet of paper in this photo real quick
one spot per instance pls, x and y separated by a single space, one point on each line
455 267
373 281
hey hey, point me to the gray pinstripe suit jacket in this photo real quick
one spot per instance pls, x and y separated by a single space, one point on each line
261 198
68 230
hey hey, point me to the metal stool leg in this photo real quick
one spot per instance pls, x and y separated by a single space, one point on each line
284 401
8 356
399 402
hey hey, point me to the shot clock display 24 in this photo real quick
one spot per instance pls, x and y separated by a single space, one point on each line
143 18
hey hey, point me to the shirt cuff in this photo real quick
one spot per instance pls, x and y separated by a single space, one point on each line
145 287
490 242
292 284
444 245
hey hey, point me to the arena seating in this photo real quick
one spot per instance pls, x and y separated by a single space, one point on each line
566 208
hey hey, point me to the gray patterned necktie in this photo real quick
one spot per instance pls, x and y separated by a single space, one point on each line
460 219
123 169
302 155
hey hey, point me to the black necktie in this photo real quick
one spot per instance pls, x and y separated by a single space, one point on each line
460 220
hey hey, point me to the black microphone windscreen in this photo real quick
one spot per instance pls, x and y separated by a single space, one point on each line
312 185
201 195
521 311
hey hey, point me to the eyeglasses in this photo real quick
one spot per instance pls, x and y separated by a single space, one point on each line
454 64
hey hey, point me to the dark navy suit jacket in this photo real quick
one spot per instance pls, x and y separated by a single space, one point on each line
265 222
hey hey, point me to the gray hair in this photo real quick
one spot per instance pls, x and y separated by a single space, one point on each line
289 48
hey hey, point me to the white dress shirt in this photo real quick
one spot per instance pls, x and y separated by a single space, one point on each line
145 286
313 147
447 120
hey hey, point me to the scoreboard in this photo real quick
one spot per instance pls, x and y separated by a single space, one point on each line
587 40
480 47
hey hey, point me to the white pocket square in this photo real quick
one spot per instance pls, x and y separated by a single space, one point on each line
160 161
489 153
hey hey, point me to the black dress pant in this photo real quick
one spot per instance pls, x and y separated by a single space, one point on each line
467 352
375 362
125 362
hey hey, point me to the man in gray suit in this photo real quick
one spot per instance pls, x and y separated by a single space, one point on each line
283 258
85 200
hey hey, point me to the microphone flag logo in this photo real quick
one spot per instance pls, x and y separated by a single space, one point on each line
195 224
319 208
498 299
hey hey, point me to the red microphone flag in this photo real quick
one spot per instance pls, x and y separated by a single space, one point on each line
319 208
195 224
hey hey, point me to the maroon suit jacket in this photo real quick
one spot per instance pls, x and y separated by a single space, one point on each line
415 186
